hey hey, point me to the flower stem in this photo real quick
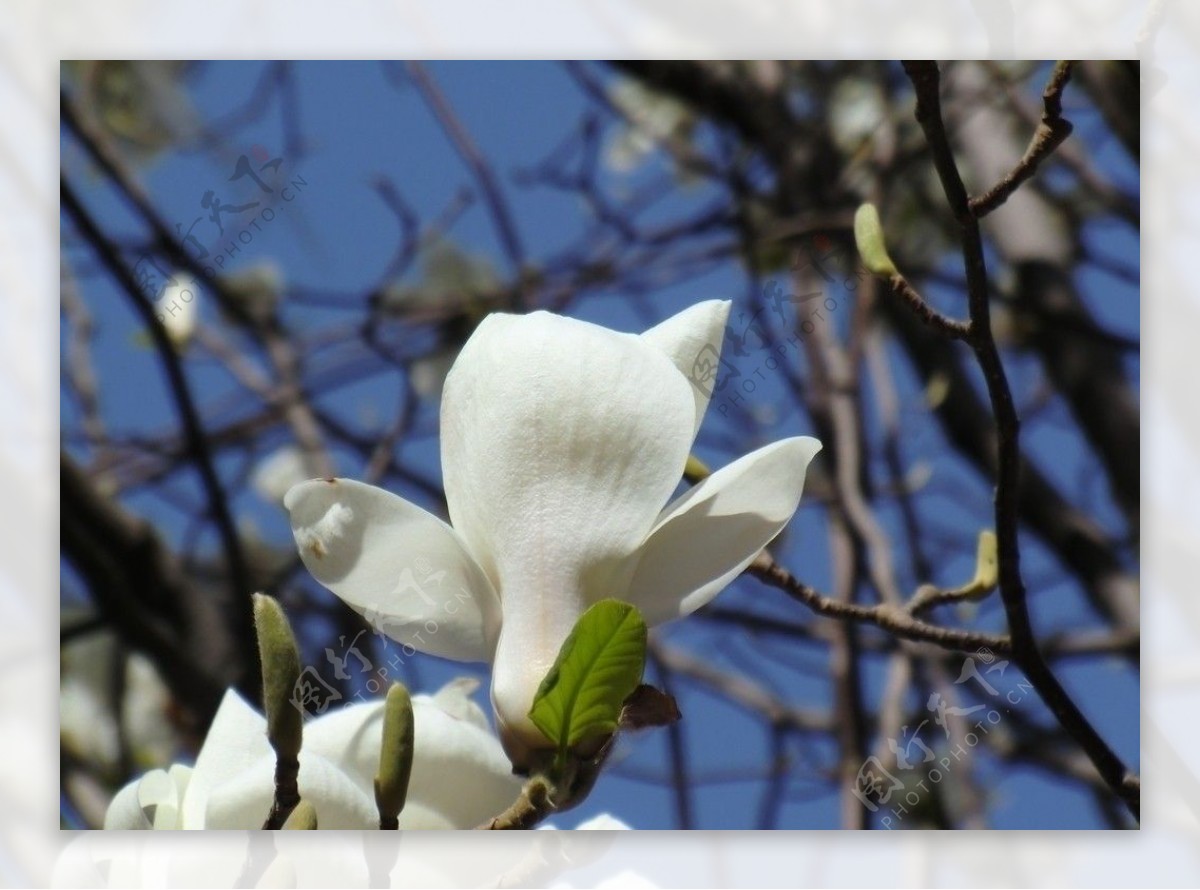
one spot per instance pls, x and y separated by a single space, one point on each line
287 792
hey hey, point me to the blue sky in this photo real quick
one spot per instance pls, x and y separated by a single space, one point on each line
338 235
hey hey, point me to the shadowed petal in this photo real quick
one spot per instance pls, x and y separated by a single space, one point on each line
236 740
125 811
459 770
340 802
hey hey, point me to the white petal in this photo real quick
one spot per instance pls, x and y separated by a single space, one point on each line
459 770
169 814
236 740
403 568
150 802
340 802
455 699
418 817
561 441
713 531
692 340
125 811
349 737
159 799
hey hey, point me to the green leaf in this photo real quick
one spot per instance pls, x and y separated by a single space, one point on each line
598 667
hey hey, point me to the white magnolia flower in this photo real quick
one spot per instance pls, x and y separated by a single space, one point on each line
561 443
87 725
652 118
460 776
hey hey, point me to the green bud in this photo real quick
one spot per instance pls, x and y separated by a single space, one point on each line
303 817
695 469
280 669
987 565
395 755
868 234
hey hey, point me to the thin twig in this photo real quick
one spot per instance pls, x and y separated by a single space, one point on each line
502 218
951 327
531 807
930 595
165 239
1049 135
677 748
893 619
741 691
287 792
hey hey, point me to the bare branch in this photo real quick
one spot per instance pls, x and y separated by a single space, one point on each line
893 619
926 81
1050 134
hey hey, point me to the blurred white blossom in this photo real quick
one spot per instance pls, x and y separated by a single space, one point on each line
178 308
653 118
279 471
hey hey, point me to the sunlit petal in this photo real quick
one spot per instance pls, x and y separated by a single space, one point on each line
401 567
561 441
692 340
712 532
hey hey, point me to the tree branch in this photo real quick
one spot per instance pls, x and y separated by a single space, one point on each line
926 81
531 807
143 594
886 616
193 430
502 218
951 327
1050 134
